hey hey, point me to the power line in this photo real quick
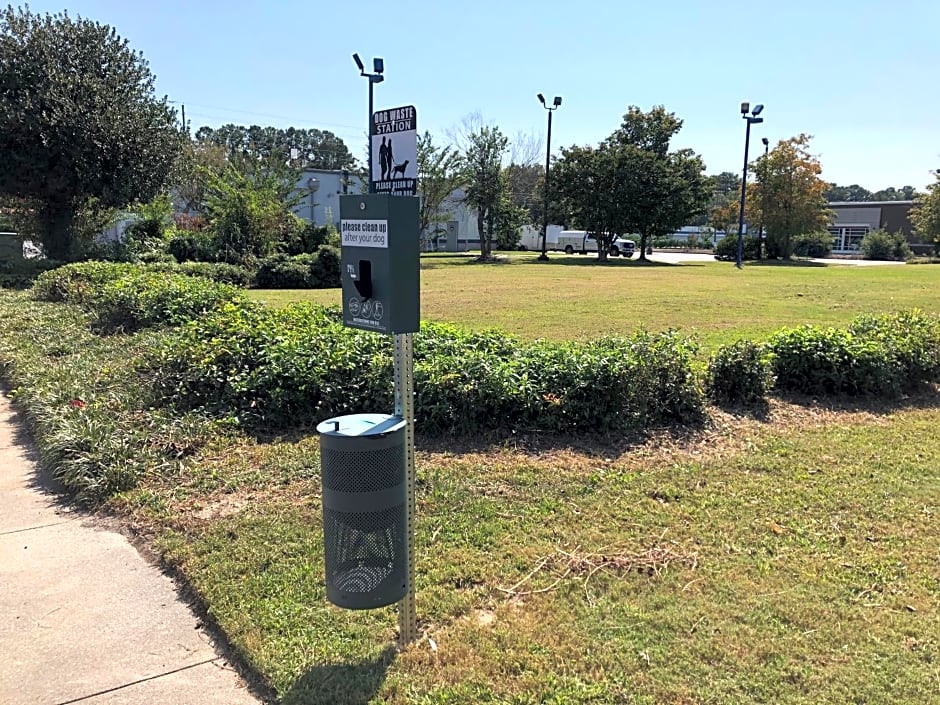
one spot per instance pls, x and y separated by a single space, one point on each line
270 115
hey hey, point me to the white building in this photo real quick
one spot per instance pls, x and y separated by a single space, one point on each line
319 191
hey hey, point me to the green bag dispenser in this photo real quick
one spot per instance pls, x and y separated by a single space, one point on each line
380 263
362 463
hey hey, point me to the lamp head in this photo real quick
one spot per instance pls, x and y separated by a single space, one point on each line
758 109
359 62
765 141
541 98
379 66
755 121
376 78
557 100
745 107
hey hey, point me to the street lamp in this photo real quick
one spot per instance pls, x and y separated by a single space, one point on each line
760 232
751 119
378 68
313 185
548 155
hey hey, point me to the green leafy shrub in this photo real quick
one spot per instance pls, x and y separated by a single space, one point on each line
882 245
325 268
75 283
818 244
299 364
727 248
320 270
145 299
193 246
882 355
738 374
308 238
218 271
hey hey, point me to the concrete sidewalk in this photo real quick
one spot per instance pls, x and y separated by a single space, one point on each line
83 617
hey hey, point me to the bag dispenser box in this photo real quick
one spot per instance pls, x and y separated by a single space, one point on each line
380 263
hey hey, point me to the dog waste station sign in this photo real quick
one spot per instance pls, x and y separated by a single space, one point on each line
394 135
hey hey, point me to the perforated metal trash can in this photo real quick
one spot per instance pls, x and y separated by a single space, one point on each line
362 464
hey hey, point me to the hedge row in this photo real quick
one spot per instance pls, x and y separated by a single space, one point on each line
129 297
883 356
281 367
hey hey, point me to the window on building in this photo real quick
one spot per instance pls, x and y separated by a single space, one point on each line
848 238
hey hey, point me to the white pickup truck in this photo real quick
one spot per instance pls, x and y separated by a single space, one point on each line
582 242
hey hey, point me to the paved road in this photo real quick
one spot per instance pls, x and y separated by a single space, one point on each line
676 257
83 617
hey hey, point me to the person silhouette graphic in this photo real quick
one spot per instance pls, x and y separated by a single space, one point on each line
384 161
391 158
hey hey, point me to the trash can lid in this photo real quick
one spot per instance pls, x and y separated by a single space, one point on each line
360 425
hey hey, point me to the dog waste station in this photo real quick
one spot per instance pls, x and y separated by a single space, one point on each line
367 460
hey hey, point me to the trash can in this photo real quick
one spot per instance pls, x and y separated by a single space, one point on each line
362 464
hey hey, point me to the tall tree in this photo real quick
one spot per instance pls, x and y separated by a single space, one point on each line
439 175
79 121
314 149
792 196
835 193
905 193
483 171
925 215
632 183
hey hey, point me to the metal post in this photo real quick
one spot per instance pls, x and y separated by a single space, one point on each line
405 408
548 155
369 137
747 142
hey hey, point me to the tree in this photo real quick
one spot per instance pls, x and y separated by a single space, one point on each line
836 193
792 196
439 175
79 122
482 166
925 215
905 193
315 149
524 183
632 183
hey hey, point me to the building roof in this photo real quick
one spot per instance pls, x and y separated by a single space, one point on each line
863 204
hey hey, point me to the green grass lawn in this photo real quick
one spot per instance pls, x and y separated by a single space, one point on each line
574 297
787 557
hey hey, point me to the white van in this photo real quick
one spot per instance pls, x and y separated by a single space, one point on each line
582 242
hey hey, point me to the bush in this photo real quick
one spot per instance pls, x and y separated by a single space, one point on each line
320 270
818 244
309 238
727 248
876 355
218 271
738 374
193 246
78 282
299 364
882 245
146 299
326 268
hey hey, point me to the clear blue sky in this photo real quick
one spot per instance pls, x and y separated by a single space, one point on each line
861 76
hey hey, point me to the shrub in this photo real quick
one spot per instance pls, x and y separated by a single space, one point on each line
283 272
218 271
881 355
308 238
78 282
300 364
145 299
738 374
882 245
727 248
818 244
193 246
326 268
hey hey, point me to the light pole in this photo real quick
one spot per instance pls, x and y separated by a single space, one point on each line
548 155
760 232
378 68
751 119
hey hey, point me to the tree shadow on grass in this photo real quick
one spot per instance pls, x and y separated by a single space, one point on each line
589 261
354 683
784 263
926 398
